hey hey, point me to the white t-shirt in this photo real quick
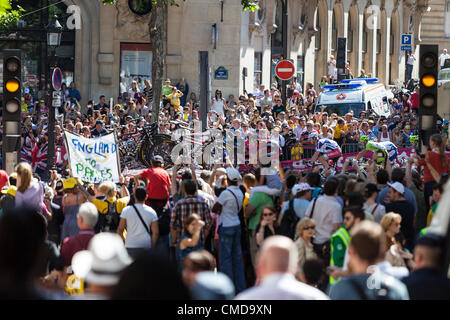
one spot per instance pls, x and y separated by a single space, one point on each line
378 214
230 207
327 212
137 236
332 68
444 57
411 59
217 106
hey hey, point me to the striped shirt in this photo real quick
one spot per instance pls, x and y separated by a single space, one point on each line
184 208
148 93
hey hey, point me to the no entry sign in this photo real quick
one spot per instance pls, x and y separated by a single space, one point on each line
284 69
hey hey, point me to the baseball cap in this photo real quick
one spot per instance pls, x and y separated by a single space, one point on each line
158 158
11 190
167 80
69 183
397 186
99 122
301 187
233 174
371 121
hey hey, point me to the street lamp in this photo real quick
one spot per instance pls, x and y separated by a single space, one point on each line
54 34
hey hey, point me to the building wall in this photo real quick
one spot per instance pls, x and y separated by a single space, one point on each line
240 34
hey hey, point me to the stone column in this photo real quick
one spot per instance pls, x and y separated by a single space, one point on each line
359 36
386 42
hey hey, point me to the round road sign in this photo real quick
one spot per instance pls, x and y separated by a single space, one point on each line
57 79
285 69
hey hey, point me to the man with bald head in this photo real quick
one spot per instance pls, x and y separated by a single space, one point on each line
276 265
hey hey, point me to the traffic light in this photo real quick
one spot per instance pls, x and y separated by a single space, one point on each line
341 58
428 94
341 53
11 113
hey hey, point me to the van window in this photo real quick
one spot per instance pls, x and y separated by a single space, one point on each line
343 108
444 74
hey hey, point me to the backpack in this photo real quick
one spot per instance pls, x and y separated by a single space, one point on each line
163 219
109 221
289 221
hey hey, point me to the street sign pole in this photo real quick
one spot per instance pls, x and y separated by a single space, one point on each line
56 82
405 46
285 48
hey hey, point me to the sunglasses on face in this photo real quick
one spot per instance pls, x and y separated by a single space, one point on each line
309 227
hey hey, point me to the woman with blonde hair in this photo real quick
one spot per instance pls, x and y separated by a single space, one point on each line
30 192
395 254
305 231
391 226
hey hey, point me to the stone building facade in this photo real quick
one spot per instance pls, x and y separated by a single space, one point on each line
237 39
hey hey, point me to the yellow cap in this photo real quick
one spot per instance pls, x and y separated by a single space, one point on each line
9 190
13 175
69 183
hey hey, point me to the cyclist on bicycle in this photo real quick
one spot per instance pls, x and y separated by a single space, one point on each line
326 149
382 151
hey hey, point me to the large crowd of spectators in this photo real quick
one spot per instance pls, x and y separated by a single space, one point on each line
217 233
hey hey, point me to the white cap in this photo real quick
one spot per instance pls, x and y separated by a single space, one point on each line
233 174
104 260
301 187
397 186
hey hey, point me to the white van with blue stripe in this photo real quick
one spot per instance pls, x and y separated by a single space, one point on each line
357 95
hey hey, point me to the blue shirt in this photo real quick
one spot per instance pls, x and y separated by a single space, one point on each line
300 206
75 94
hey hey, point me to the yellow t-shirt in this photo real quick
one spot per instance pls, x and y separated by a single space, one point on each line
246 201
338 130
175 100
102 205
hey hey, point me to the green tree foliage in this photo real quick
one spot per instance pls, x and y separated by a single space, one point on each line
8 16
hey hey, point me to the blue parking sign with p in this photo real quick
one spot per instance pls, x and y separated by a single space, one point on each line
406 39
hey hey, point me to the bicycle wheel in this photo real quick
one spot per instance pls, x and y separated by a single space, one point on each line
144 156
162 146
